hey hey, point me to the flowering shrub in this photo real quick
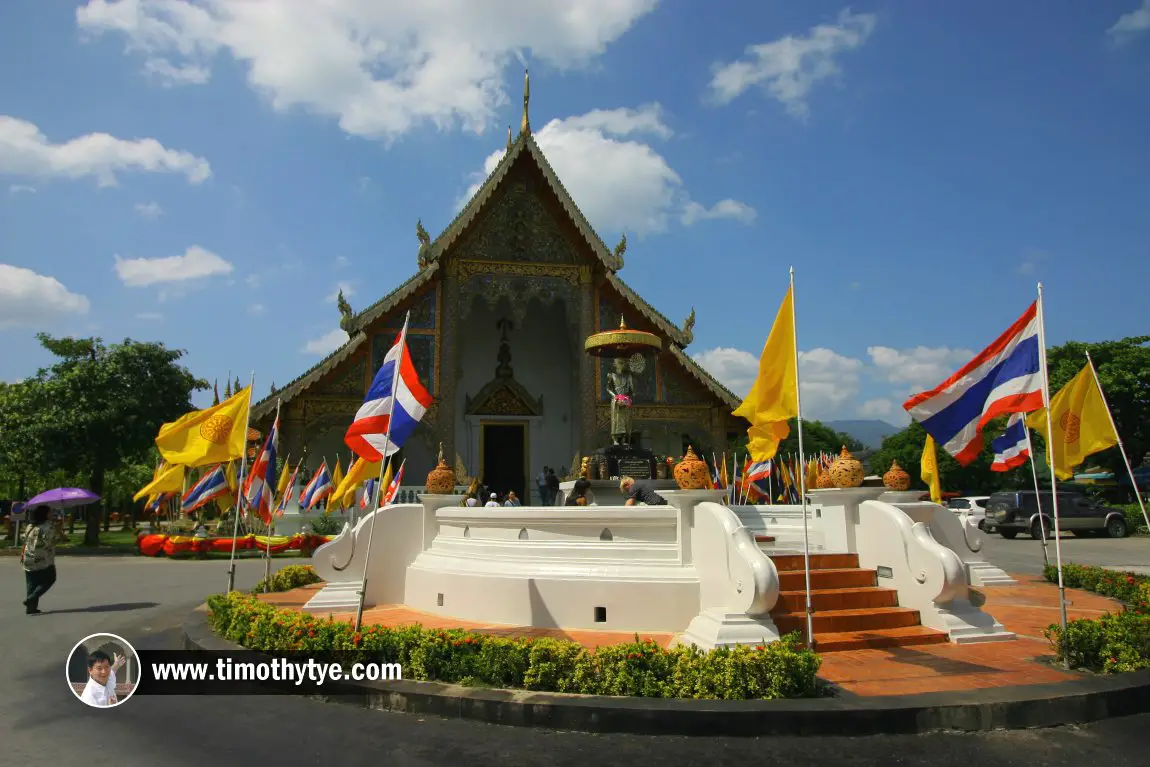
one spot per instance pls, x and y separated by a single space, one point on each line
290 577
783 669
1113 643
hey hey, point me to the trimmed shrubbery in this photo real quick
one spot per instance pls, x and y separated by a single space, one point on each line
288 578
1115 642
783 669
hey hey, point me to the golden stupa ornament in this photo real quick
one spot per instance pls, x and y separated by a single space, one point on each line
896 479
823 480
847 471
692 473
525 127
441 479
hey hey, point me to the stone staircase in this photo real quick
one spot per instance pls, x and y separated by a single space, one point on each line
336 597
851 612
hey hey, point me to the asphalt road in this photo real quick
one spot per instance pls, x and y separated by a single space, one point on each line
145 600
1024 554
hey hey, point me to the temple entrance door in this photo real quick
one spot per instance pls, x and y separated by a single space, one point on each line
504 462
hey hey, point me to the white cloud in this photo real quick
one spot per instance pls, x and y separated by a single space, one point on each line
169 75
788 68
381 67
341 262
257 310
31 299
195 263
728 208
326 344
149 209
829 381
348 289
21 189
918 369
25 151
1131 24
620 183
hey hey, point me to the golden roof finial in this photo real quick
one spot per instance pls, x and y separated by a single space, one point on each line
526 126
508 138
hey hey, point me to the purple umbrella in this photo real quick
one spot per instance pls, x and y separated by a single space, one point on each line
63 498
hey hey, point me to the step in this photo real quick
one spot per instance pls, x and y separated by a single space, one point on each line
335 597
837 599
907 636
829 578
837 621
764 538
788 562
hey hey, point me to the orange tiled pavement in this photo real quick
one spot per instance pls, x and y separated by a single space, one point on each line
1025 609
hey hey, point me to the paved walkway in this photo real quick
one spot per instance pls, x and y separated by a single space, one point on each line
1026 609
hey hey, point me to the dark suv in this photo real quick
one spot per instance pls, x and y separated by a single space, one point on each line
1011 513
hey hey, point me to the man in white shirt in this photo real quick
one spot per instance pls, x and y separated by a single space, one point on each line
101 688
492 502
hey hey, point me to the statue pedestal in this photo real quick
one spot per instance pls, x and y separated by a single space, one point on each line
626 461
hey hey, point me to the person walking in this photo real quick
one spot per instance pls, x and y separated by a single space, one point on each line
39 558
552 487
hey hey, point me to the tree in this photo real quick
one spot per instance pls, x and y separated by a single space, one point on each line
98 408
1124 372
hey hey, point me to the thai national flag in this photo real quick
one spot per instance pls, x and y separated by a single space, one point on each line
368 493
1004 378
393 488
392 408
1013 447
211 486
317 489
259 487
282 507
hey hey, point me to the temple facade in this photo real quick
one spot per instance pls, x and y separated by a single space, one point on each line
500 306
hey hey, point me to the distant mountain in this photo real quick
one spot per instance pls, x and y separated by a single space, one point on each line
868 432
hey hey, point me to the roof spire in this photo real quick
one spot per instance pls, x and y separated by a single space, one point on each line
509 138
526 126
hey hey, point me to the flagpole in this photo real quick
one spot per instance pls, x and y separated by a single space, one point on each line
1037 493
271 508
382 467
240 485
803 476
1050 458
1121 447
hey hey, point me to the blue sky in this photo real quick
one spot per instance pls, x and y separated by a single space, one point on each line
208 173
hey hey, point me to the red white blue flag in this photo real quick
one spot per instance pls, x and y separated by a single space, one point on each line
317 489
282 507
393 407
259 487
1004 378
211 486
1012 449
393 488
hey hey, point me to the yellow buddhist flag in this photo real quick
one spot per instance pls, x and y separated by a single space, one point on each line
1082 425
385 482
214 435
358 473
285 477
336 478
169 480
929 469
774 397
812 474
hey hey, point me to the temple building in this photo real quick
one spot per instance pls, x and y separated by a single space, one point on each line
500 306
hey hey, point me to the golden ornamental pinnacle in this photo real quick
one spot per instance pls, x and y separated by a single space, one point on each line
509 138
526 126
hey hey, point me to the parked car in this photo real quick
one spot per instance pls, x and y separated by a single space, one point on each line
1014 512
973 506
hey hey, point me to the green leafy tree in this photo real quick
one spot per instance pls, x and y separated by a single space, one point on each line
98 408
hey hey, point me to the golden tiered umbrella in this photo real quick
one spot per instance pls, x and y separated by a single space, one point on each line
623 342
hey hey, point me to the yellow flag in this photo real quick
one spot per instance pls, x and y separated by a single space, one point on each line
1082 425
929 469
336 478
385 482
358 473
285 477
812 473
214 435
230 475
170 480
774 397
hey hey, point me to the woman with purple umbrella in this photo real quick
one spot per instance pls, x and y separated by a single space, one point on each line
39 558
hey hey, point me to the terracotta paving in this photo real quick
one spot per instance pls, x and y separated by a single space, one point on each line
1026 609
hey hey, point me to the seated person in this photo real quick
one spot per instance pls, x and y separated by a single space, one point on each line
640 492
492 502
512 499
581 494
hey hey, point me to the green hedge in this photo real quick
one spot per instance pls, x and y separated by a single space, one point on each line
1135 522
288 578
1113 643
783 669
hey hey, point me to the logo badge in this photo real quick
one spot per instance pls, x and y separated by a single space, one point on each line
1071 427
217 428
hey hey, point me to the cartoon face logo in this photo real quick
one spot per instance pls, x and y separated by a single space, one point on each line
217 429
1071 427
